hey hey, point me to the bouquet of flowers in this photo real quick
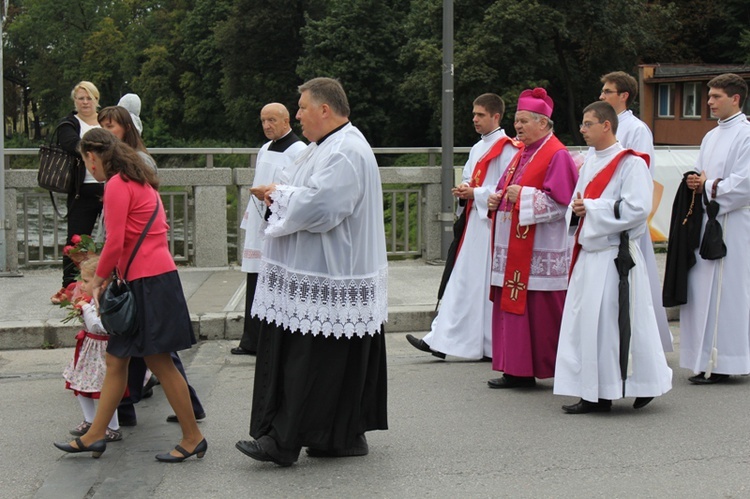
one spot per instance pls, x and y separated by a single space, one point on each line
83 246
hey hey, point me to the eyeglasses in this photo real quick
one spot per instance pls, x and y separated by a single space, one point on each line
607 91
588 124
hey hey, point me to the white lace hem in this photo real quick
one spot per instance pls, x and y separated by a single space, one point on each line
280 202
320 304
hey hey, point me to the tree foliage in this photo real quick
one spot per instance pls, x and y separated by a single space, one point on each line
204 68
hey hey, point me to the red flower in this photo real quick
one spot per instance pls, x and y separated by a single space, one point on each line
75 239
66 250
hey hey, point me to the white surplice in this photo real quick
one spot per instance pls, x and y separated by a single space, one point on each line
324 269
463 327
588 354
722 286
270 167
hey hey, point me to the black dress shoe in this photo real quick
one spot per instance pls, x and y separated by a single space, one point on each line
424 347
148 388
172 418
510 381
97 448
641 402
253 449
128 422
700 379
360 448
241 351
199 452
585 407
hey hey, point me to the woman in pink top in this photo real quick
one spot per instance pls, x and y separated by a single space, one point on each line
164 326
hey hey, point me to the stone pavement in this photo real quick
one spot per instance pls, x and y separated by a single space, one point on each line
216 299
449 436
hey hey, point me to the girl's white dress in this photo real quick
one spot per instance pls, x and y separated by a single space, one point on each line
85 373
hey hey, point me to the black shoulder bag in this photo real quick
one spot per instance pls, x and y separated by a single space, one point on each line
117 306
58 168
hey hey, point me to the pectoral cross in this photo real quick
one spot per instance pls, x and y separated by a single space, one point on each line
515 285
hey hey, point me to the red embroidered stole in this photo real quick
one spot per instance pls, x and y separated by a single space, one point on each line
521 243
480 173
594 190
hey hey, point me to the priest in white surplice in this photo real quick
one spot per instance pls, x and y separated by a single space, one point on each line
613 195
273 165
320 375
619 90
715 323
463 327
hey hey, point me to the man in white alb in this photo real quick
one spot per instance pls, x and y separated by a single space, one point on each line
619 90
601 356
715 323
463 327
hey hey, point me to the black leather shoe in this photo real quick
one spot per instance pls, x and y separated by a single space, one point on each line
241 351
253 449
172 418
97 448
199 452
641 402
148 388
128 422
360 448
700 379
510 381
585 407
424 347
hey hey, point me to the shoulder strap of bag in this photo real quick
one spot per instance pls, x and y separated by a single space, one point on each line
143 236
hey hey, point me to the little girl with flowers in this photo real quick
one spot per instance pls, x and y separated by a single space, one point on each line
85 373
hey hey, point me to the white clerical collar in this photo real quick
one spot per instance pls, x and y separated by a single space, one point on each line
609 150
490 135
731 118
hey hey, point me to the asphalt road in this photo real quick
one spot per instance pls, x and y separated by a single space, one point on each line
450 436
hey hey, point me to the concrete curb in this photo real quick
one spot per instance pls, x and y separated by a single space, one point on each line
207 326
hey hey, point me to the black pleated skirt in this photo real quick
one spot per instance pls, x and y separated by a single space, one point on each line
318 391
163 319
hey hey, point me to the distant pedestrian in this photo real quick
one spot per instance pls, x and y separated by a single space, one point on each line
273 165
84 202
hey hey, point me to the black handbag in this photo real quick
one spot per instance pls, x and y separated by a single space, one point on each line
57 167
117 307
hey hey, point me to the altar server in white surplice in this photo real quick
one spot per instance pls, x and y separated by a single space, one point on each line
600 359
715 323
463 327
320 374
619 90
273 165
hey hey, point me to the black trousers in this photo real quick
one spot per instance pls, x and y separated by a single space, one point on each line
82 214
251 331
136 373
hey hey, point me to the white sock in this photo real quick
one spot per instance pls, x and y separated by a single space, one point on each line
87 406
114 423
147 376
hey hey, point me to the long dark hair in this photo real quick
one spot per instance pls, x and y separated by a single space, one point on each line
121 116
117 157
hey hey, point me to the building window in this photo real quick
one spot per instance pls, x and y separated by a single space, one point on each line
666 96
691 94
